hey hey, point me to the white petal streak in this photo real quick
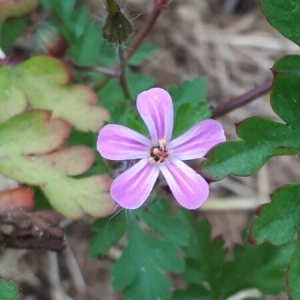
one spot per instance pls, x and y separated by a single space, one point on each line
187 186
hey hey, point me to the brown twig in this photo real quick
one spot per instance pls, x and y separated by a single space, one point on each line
242 99
160 5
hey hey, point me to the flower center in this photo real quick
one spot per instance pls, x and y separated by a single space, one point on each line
159 153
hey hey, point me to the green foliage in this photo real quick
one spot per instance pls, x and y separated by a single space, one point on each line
278 221
171 227
11 30
284 16
9 290
112 98
293 278
189 104
145 259
31 153
262 138
107 232
193 292
144 52
260 267
42 81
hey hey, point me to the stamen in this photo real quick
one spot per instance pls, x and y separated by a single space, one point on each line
159 154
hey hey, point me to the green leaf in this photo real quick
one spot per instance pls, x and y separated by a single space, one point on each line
262 267
65 8
189 104
31 152
284 16
107 232
261 138
42 81
293 278
205 256
190 92
285 99
144 259
160 219
136 125
145 51
11 30
187 116
80 20
287 64
88 46
278 221
193 292
138 83
112 98
40 201
9 290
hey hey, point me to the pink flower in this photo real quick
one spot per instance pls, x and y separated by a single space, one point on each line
158 154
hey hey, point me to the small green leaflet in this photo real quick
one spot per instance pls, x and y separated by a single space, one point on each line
284 16
279 220
144 52
145 259
171 227
9 290
190 107
293 278
107 232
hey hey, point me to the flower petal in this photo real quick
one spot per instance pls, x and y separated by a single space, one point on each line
197 141
156 108
187 186
132 188
117 142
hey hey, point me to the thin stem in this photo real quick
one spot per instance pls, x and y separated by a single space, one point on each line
122 77
98 69
112 7
242 100
159 7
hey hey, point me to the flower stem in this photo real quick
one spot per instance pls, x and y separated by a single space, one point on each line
122 77
241 100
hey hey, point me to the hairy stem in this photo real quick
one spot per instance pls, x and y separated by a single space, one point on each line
242 99
122 77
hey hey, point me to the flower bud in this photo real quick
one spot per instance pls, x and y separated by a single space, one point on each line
117 27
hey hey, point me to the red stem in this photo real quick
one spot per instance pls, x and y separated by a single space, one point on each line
242 100
160 5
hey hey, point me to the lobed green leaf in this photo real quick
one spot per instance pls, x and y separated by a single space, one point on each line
145 259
